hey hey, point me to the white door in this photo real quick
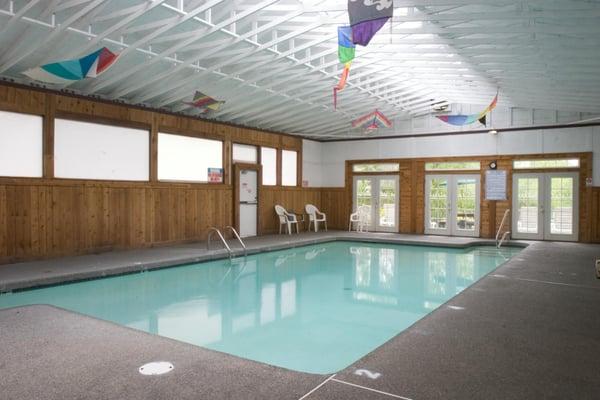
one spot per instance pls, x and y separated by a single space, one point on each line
380 194
546 206
437 205
452 205
248 190
527 214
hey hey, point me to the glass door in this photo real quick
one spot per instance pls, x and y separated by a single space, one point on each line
452 205
379 195
465 203
546 206
437 205
527 206
387 204
363 197
562 214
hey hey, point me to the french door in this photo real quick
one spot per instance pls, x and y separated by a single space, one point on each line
452 205
378 195
546 206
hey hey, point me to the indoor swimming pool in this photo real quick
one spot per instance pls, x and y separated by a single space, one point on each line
314 309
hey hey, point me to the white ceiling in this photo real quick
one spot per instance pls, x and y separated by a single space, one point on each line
275 62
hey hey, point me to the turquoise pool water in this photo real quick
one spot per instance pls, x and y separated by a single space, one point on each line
313 309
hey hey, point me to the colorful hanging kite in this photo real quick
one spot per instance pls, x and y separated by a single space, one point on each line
205 103
346 52
459 120
69 71
367 17
372 121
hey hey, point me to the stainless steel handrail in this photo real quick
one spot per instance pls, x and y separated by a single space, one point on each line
500 240
211 231
239 239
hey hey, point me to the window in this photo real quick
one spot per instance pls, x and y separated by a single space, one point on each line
21 149
84 150
383 167
541 164
268 159
184 158
289 168
453 166
245 153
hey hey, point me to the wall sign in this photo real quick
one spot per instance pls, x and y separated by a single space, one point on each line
495 185
215 175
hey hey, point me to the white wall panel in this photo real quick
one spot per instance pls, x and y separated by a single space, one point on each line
21 148
566 140
312 163
85 150
518 142
333 174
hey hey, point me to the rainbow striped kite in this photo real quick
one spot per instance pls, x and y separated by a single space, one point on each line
69 71
205 103
346 53
372 121
459 120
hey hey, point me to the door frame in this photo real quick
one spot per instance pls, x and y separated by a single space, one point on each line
548 235
545 206
454 229
238 168
375 179
451 227
515 206
436 231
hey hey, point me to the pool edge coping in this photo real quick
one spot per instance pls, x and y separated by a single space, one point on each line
138 267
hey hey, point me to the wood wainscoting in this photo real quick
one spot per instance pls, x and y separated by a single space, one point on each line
52 218
42 219
595 221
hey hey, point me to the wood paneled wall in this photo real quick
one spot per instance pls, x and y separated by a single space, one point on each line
49 217
412 192
595 221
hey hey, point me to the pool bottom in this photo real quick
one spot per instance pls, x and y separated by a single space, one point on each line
313 309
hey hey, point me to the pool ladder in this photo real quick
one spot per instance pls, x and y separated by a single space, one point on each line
500 240
214 230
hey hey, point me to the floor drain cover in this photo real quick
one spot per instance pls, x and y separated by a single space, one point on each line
156 368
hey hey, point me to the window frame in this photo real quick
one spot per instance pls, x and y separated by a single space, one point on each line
542 160
452 169
395 170
256 148
192 135
280 163
43 160
96 120
276 166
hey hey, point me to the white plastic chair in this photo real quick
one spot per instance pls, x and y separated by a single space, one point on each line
360 218
287 219
315 216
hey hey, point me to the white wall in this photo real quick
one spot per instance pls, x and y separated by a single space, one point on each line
582 139
311 163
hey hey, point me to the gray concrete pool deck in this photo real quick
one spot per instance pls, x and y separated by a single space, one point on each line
528 330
